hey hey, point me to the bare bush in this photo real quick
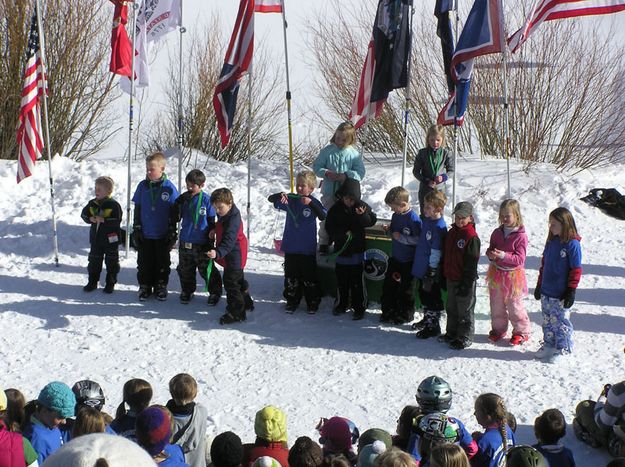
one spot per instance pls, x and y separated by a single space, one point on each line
202 61
77 35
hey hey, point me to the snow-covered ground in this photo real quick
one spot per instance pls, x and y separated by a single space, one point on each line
311 366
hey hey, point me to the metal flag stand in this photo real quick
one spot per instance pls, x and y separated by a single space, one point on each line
180 104
42 54
408 101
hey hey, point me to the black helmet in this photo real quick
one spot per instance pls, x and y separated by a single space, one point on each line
88 393
434 395
525 456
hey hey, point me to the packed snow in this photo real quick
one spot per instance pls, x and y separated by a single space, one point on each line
311 366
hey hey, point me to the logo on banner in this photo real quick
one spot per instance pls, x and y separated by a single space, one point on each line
376 264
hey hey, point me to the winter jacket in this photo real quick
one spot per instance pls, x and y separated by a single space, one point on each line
342 219
108 231
462 252
15 450
556 455
43 439
345 160
190 431
154 203
300 228
428 165
561 267
408 224
430 246
176 457
278 450
490 449
125 425
230 241
514 245
197 215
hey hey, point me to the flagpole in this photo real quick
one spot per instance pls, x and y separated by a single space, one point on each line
130 122
453 191
288 97
46 126
506 107
249 152
180 109
408 102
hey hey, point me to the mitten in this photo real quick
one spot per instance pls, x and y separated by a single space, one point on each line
172 237
568 298
137 237
537 292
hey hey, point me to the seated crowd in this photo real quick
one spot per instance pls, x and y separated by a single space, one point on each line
66 427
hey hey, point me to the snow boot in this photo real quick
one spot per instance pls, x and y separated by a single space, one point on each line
111 280
144 292
92 284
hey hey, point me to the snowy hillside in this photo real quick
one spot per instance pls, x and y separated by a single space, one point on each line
311 366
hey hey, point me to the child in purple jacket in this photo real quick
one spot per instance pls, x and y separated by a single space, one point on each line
507 284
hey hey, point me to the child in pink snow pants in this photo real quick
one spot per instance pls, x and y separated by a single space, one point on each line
506 275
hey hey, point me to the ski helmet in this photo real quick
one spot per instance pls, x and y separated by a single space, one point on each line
88 393
434 395
439 428
525 456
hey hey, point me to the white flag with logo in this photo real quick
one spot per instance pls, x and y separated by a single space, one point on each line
154 19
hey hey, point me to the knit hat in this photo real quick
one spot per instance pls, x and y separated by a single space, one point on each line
266 461
305 453
153 430
227 450
350 187
366 457
59 397
270 424
85 450
336 435
463 209
3 400
375 434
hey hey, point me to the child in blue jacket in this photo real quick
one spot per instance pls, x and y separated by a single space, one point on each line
154 228
558 278
198 219
299 242
549 428
498 438
427 264
397 300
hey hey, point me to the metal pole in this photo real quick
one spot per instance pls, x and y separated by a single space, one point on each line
249 152
180 103
288 99
506 128
408 103
46 126
130 122
453 193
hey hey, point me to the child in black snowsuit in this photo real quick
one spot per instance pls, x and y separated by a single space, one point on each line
345 224
105 216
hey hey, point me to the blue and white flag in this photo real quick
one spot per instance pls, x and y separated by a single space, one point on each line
483 34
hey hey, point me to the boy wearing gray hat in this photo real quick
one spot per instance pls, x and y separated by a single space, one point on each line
462 252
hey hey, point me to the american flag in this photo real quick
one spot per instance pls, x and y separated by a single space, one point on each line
362 107
268 6
29 143
238 60
546 10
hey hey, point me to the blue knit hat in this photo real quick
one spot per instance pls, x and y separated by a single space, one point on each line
153 430
59 397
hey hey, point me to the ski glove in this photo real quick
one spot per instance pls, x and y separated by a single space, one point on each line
568 298
429 279
537 292
137 237
172 237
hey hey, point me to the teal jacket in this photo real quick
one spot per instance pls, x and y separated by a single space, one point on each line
346 160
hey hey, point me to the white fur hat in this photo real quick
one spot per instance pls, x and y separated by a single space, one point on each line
84 451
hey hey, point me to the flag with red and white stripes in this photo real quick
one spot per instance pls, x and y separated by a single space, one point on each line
547 10
268 6
238 60
29 132
362 107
